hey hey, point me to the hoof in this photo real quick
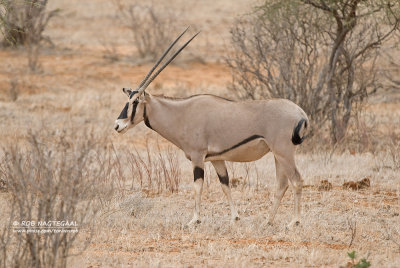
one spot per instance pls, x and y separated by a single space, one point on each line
192 222
235 219
292 224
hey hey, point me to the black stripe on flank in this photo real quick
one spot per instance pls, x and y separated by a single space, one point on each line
198 173
124 113
237 145
224 179
296 139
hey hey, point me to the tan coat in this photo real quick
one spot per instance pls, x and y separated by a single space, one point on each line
211 128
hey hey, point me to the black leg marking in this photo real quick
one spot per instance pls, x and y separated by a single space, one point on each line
224 179
237 145
198 173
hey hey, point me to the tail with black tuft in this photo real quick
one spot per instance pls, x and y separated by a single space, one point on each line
296 139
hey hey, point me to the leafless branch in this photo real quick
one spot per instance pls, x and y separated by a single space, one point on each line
320 54
353 230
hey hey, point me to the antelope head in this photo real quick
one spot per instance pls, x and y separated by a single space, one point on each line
133 111
130 114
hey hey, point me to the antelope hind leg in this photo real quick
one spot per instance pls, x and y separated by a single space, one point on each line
223 176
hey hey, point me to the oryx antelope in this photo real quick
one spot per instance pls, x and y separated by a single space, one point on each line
211 128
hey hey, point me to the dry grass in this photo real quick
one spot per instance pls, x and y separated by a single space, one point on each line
51 178
143 223
156 234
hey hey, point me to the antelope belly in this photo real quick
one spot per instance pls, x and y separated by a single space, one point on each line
250 151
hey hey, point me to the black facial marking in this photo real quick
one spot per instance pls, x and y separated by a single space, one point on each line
224 179
236 145
133 93
135 104
198 173
124 113
146 119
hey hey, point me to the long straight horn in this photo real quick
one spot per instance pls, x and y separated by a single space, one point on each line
161 58
147 83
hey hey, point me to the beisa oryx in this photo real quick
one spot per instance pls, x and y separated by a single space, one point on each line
211 128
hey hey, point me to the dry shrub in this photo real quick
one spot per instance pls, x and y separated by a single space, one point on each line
391 232
234 182
394 148
321 54
388 145
151 27
169 167
250 171
23 23
13 90
154 172
49 178
362 184
2 185
325 185
110 52
366 134
247 175
135 205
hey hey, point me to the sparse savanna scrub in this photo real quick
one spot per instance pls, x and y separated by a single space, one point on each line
323 55
22 24
131 195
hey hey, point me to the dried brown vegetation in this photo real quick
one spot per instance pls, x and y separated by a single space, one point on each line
154 171
320 54
362 184
325 185
51 179
141 222
151 27
23 23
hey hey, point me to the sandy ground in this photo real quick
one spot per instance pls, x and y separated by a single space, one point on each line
155 234
78 86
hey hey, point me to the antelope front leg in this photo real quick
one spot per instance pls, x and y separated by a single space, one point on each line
198 174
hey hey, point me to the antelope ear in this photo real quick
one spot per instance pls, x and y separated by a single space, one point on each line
127 91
